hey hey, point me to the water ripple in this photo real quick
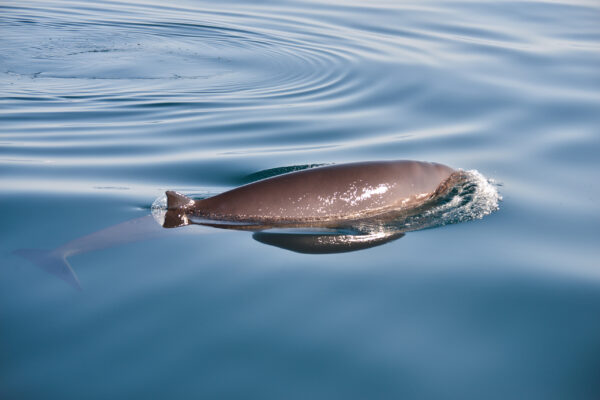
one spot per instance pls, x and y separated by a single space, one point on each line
117 85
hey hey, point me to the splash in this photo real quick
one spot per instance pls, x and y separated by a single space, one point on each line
159 209
472 197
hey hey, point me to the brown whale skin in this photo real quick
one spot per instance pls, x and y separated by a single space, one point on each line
329 193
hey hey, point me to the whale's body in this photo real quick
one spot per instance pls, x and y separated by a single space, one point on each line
338 208
323 194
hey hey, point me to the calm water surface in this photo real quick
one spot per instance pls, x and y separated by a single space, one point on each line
107 104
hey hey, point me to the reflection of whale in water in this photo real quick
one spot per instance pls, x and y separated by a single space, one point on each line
462 196
325 243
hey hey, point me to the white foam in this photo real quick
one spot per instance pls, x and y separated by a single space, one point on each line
159 209
475 198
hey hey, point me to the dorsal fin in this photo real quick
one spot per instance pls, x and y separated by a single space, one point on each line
177 201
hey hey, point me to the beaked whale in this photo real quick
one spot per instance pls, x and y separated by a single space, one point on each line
345 207
319 196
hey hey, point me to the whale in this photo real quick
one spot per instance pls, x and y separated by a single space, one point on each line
321 196
319 210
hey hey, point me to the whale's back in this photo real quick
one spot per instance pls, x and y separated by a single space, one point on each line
331 192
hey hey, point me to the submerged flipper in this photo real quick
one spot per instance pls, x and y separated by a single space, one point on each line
52 262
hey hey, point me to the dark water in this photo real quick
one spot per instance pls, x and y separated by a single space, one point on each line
107 104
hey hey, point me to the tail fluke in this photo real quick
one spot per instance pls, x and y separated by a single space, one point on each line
52 262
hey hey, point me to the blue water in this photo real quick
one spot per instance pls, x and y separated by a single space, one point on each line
107 104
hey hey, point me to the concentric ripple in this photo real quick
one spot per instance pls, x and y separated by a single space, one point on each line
183 84
211 53
148 94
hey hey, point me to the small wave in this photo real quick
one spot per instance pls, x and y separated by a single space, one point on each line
473 197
